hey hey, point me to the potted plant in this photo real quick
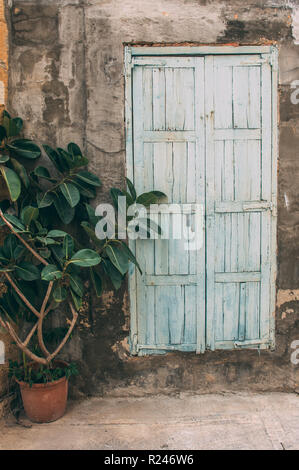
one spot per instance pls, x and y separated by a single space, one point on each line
42 263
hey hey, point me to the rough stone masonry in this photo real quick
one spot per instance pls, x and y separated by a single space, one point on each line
66 80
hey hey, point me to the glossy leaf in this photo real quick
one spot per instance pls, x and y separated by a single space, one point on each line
44 200
19 251
12 181
114 275
59 294
14 221
44 173
64 210
86 258
71 193
56 234
21 171
68 246
27 271
85 189
89 178
12 126
51 273
9 246
130 255
57 252
131 189
54 157
118 258
151 197
115 193
76 284
91 233
3 134
96 282
24 148
74 149
91 214
77 300
29 214
4 158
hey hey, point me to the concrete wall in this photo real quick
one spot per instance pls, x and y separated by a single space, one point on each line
66 80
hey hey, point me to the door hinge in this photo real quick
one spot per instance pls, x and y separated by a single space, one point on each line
274 209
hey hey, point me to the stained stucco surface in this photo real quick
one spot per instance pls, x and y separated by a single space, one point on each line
66 80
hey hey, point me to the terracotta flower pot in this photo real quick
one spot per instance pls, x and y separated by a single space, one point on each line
44 403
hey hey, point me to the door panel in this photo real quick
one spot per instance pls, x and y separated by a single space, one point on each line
239 208
168 136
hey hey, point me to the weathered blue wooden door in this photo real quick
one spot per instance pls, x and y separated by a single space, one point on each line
202 130
168 127
240 201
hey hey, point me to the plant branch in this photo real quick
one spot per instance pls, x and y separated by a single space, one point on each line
21 295
23 347
35 254
41 319
27 340
72 325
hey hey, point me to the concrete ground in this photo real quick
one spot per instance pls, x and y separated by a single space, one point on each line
182 422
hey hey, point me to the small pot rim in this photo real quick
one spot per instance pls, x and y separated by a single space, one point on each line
46 384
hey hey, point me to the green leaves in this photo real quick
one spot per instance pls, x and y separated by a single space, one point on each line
24 148
3 134
59 294
96 282
42 172
51 273
21 171
89 178
12 126
118 258
63 160
44 200
29 214
67 193
68 246
76 284
56 234
70 193
12 182
9 246
14 221
27 271
54 157
15 173
65 211
152 197
41 202
86 258
131 189
4 158
120 254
